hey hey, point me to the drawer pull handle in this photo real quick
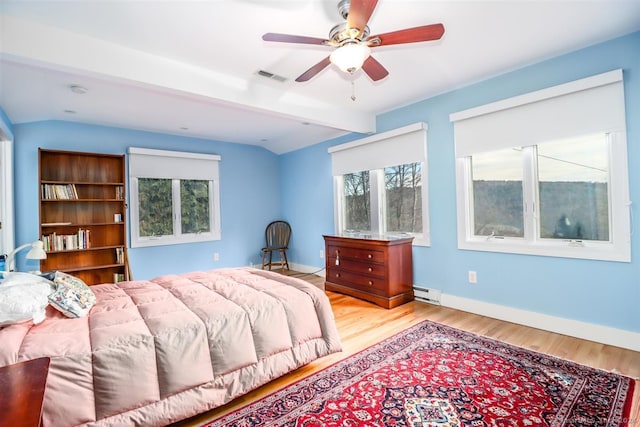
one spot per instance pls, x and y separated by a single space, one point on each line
370 282
370 269
369 256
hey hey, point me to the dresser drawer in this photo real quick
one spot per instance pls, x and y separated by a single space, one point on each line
362 254
365 268
360 281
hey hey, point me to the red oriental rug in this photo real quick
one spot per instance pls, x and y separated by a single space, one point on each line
432 375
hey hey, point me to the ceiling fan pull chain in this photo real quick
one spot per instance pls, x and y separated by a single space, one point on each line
353 90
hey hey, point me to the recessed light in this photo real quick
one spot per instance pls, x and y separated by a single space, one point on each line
70 111
264 140
78 89
184 128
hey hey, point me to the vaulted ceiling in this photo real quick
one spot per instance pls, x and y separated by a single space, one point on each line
197 68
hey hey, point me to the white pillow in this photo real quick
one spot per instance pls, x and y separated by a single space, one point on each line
23 297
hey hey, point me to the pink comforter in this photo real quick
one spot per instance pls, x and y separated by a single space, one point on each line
154 352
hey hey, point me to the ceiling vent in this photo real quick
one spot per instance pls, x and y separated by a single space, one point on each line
272 76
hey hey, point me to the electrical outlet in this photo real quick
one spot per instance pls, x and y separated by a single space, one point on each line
216 256
321 253
473 276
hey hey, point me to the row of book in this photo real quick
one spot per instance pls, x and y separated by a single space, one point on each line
120 192
58 192
67 242
120 255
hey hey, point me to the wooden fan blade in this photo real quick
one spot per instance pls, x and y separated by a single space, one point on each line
409 35
374 69
311 72
288 38
359 13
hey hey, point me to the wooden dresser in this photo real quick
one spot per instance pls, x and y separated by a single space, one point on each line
377 269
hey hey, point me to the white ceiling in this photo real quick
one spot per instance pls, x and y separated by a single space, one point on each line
190 67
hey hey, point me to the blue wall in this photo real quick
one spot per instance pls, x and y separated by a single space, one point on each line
605 293
247 176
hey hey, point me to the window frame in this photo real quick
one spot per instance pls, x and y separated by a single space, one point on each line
618 248
192 166
6 187
364 152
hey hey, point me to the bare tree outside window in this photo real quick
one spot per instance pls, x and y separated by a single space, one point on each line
403 186
357 213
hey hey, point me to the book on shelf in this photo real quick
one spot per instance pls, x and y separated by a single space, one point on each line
120 192
67 242
118 277
59 192
120 255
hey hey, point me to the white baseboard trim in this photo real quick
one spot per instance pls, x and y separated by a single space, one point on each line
318 271
588 331
573 328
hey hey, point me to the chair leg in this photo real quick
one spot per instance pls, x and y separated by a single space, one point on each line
264 259
270 259
284 253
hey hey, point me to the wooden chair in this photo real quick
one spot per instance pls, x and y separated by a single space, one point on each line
276 236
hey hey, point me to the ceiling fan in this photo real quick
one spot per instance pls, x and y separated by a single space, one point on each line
353 43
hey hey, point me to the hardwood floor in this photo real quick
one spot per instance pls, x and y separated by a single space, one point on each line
362 324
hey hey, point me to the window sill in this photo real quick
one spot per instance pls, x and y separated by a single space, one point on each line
602 251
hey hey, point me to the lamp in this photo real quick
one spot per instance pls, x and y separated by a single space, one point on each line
36 252
350 56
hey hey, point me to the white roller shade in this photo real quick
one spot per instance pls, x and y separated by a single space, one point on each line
590 105
147 163
397 147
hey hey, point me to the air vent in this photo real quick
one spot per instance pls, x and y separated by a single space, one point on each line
272 76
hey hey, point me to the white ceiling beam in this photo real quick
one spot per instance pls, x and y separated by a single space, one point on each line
35 44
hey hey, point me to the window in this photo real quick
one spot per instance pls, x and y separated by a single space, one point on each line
357 201
174 197
546 173
573 183
403 198
380 184
497 193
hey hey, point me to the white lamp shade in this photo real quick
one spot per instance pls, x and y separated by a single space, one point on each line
350 57
37 251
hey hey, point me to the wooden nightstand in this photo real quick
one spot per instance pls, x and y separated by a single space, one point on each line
22 392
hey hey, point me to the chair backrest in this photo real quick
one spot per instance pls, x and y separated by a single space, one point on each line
277 235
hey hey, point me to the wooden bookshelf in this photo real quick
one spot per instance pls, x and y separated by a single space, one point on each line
81 196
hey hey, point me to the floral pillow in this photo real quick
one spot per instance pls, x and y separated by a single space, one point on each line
72 296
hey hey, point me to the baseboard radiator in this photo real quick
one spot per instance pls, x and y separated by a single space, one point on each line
432 296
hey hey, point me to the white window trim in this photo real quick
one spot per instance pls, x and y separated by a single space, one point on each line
6 188
375 165
619 246
184 173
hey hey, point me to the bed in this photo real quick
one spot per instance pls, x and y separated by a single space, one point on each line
159 351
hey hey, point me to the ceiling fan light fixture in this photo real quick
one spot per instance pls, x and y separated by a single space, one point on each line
350 57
